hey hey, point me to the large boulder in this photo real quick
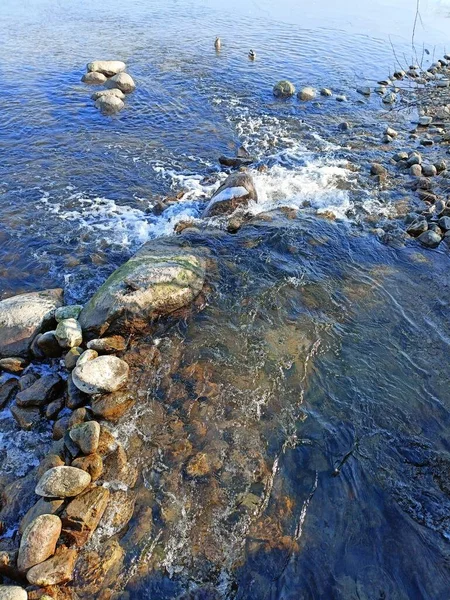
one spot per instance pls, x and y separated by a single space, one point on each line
237 190
110 104
107 67
22 318
102 375
62 482
155 282
38 541
123 82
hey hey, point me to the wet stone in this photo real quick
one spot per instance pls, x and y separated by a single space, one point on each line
54 408
78 416
63 482
118 513
92 464
7 391
26 418
283 89
108 345
95 568
56 570
82 516
377 169
430 239
444 223
93 78
306 94
107 443
72 450
326 92
70 360
28 379
49 345
69 334
439 206
86 436
41 392
14 365
429 170
60 427
112 406
38 541
414 158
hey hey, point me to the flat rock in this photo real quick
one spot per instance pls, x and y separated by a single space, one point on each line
38 541
107 67
86 436
22 317
93 78
112 406
40 392
13 364
118 513
56 570
69 334
157 281
83 514
26 418
102 375
236 191
123 82
12 592
63 482
95 568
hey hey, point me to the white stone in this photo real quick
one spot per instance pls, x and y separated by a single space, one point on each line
12 592
102 375
107 67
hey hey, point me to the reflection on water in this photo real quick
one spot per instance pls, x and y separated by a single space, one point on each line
318 349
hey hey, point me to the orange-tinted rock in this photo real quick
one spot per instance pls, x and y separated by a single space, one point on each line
38 541
92 464
56 570
83 514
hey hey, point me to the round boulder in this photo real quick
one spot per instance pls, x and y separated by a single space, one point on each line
12 592
283 89
93 78
306 94
106 67
38 541
62 482
102 375
69 334
109 105
123 82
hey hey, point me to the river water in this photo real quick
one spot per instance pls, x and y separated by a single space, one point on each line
329 348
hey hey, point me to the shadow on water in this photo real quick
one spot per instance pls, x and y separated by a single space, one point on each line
297 436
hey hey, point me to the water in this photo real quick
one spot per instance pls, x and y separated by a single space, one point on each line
333 346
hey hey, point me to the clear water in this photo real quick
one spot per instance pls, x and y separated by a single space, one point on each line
370 322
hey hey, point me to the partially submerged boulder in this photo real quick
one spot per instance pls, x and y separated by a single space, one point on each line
109 104
22 318
123 82
107 67
93 78
237 190
155 282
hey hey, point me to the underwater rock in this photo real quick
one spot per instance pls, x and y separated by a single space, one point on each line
95 568
93 78
123 82
102 375
109 104
63 482
155 282
22 318
86 436
430 239
56 570
283 89
106 67
237 190
112 406
326 92
105 93
38 541
417 227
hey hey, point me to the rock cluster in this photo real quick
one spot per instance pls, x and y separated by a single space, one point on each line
111 74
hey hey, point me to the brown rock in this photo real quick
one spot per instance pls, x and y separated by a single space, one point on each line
7 391
40 392
83 514
50 461
112 406
198 465
236 191
116 468
56 570
107 443
42 507
26 418
78 416
108 345
14 365
38 541
95 569
92 464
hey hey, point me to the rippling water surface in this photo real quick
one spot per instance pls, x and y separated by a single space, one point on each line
334 353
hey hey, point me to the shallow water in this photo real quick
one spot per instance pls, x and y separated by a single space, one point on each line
334 347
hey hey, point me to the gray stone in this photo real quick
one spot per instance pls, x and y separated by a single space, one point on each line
237 190
424 121
341 98
71 358
69 334
112 406
377 169
7 390
26 418
12 592
390 98
429 170
444 223
364 90
113 92
86 436
400 156
93 78
440 165
48 343
430 239
72 311
391 132
417 227
283 89
326 92
108 345
416 170
109 105
63 482
306 94
38 541
439 206
123 82
22 317
107 67
40 392
160 279
75 397
53 409
102 375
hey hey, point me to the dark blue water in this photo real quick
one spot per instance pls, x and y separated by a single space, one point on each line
329 348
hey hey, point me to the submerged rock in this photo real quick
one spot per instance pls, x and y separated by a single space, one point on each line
157 281
22 318
107 67
56 570
102 375
38 541
236 191
62 482
83 514
93 78
283 89
112 406
326 92
123 82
